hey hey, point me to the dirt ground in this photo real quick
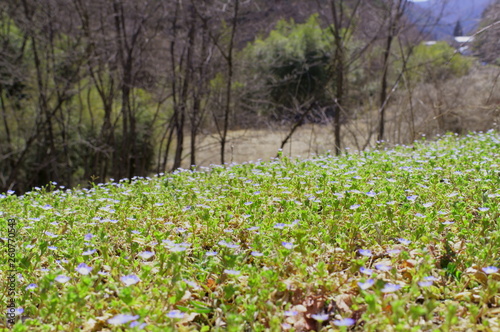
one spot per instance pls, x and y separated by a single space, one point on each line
253 145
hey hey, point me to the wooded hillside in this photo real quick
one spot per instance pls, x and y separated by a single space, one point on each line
92 90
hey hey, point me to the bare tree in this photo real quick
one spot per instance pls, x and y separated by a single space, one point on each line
224 39
131 41
395 11
94 29
342 21
486 39
55 62
201 69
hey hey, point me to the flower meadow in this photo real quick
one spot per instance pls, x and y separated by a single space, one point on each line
402 239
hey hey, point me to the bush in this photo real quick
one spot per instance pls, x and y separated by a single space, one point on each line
294 62
437 62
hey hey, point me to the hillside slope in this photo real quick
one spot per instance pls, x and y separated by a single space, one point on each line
401 239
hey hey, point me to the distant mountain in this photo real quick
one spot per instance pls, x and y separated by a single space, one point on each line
442 16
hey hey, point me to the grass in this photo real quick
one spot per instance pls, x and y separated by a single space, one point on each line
262 144
406 239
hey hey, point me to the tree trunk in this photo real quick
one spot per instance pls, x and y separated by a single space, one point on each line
339 68
383 87
229 85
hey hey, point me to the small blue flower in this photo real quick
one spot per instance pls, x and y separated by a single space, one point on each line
287 245
191 283
31 286
365 252
177 248
393 251
425 283
146 254
62 279
390 288
321 317
290 313
232 272
367 284
431 278
366 271
483 209
89 252
490 269
138 325
211 253
354 207
344 322
404 241
83 269
256 254
130 279
175 314
122 319
383 267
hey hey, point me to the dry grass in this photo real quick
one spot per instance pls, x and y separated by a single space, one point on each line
468 103
251 145
264 144
460 105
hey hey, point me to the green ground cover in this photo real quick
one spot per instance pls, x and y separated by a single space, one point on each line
406 239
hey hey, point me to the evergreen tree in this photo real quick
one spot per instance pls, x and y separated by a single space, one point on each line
458 31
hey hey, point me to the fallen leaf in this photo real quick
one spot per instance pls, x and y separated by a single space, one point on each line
479 275
92 325
211 284
344 303
187 296
410 263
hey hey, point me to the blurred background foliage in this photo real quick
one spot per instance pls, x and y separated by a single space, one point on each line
91 91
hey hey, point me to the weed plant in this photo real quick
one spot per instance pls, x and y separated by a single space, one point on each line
403 239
